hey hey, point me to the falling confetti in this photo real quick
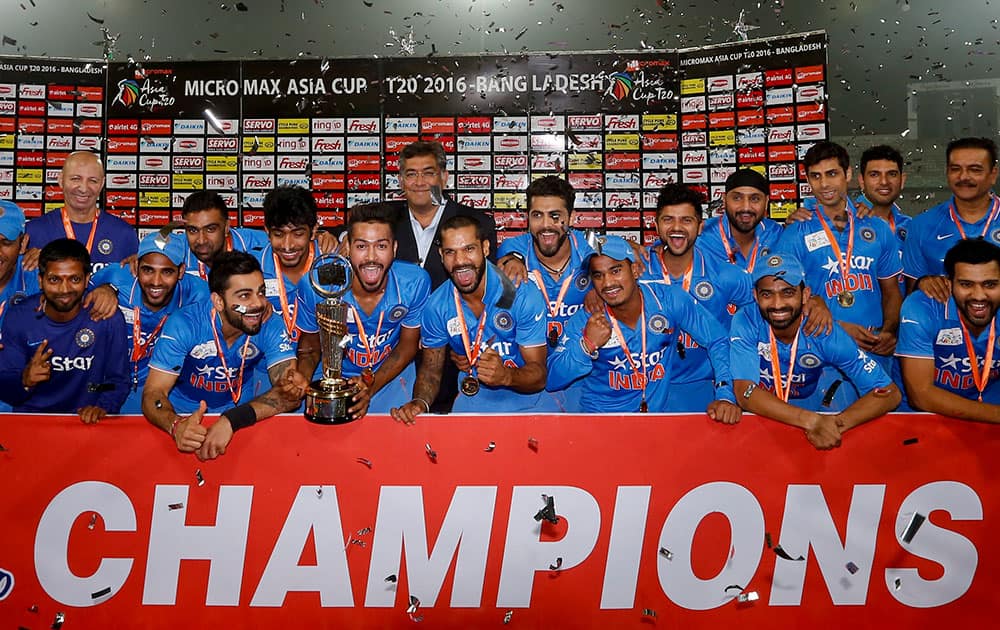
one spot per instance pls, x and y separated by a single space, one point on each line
852 568
666 553
909 441
101 593
533 444
548 512
93 521
391 578
57 623
175 506
740 28
507 616
911 529
781 553
649 612
431 452
407 45
557 565
489 447
201 480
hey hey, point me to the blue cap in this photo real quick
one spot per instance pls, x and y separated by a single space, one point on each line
781 266
173 246
614 247
11 220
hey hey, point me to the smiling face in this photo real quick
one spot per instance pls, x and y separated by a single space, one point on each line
373 248
81 180
678 227
9 252
464 257
63 284
976 289
206 232
745 208
548 223
970 174
418 175
158 277
244 302
613 280
829 182
882 181
290 244
780 303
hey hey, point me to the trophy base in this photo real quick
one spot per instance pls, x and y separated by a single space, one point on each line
328 400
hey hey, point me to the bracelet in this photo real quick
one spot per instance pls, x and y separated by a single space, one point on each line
173 426
749 390
426 404
584 343
241 416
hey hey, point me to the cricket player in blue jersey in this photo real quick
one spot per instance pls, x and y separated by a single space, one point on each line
206 223
850 262
15 282
624 352
946 351
385 305
145 298
779 372
744 234
55 357
498 329
719 287
971 212
551 255
107 238
205 356
882 178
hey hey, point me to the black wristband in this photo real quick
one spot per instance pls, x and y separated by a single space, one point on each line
517 255
241 416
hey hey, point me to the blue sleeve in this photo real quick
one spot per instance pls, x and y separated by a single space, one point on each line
433 325
103 276
864 372
568 362
421 290
744 360
888 264
127 241
172 347
195 290
12 362
742 287
116 366
305 307
532 324
792 242
695 320
914 262
509 245
254 239
277 346
918 328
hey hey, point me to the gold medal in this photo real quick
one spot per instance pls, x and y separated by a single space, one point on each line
845 299
470 386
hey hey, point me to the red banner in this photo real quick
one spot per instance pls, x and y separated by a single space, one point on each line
669 516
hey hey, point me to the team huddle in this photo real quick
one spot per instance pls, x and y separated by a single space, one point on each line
804 323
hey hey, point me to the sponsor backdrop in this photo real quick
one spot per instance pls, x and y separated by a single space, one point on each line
617 126
672 516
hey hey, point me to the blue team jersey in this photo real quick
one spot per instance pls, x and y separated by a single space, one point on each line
816 355
189 290
402 306
114 241
717 232
721 289
899 222
89 360
271 279
929 329
933 232
245 240
21 284
187 348
875 257
610 383
515 318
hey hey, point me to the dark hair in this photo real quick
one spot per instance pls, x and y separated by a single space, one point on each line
552 186
824 150
64 249
227 265
423 147
289 205
678 194
881 152
985 144
371 213
205 200
461 221
971 251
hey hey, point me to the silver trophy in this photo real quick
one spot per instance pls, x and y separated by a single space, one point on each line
329 398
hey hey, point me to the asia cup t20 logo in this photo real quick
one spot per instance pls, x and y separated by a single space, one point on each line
143 92
643 81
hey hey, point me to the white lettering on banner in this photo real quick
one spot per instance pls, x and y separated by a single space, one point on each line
464 541
223 544
524 554
319 515
52 542
807 524
464 538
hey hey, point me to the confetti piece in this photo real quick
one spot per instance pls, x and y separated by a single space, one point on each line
319 492
752 596
95 20
549 511
507 615
731 587
201 480
33 608
649 612
101 593
781 553
666 553
3 449
557 565
175 506
58 621
767 539
852 568
909 441
414 605
489 447
533 444
93 521
897 583
242 8
911 529
431 452
391 578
